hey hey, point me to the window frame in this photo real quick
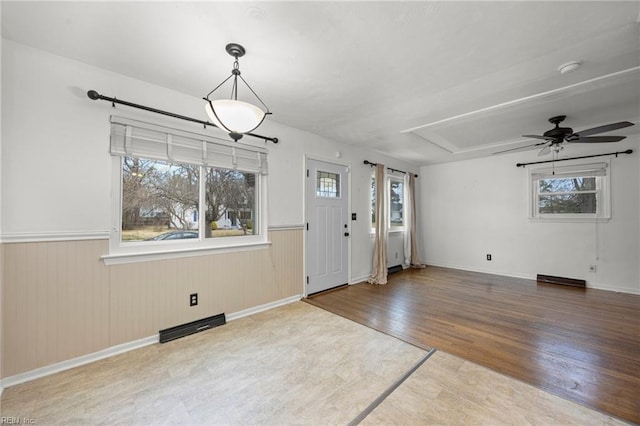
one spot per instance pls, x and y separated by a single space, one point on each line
139 251
600 171
390 227
372 202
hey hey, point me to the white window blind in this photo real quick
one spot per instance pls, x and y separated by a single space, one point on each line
139 139
594 169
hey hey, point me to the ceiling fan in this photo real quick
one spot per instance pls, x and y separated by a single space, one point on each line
554 138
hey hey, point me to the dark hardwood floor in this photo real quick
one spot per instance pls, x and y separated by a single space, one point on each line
580 344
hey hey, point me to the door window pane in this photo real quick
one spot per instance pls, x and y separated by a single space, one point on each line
327 185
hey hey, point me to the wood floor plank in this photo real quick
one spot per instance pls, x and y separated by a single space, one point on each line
580 344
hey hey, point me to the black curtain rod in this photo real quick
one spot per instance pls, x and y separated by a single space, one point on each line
629 151
388 168
92 94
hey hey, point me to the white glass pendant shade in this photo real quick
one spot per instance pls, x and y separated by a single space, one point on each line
234 116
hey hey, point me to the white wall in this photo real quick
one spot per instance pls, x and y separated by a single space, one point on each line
56 170
471 208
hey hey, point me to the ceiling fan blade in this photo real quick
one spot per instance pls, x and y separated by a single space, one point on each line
597 139
546 138
520 147
603 129
544 151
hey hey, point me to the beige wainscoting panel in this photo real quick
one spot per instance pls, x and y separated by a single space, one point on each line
149 296
1 311
60 301
55 299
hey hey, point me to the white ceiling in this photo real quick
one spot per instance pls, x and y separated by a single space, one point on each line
424 82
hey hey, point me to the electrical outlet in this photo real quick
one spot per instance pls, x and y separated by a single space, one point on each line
396 255
193 299
488 257
592 268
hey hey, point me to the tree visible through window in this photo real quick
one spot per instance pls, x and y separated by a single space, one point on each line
396 195
373 201
395 187
567 195
570 192
160 198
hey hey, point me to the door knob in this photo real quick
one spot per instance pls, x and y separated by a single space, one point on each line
346 234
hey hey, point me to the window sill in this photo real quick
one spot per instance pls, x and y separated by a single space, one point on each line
569 219
124 258
390 231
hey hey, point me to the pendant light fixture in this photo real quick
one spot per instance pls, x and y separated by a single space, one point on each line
231 115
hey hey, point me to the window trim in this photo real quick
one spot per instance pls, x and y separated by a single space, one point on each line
132 252
601 171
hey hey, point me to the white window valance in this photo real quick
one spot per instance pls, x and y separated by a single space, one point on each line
139 139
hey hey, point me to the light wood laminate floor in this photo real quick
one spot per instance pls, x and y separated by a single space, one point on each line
583 345
296 364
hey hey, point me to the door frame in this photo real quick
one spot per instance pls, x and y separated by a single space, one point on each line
336 162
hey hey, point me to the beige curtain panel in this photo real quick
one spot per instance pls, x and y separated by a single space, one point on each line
412 231
379 273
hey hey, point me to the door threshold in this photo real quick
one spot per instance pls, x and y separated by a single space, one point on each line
329 290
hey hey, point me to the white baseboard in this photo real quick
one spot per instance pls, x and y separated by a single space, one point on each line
261 308
604 287
591 285
481 270
358 280
125 347
76 362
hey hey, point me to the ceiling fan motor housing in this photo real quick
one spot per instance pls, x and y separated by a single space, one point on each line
558 132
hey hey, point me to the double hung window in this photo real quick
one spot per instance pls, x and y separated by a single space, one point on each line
570 192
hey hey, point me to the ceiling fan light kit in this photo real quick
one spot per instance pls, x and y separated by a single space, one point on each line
233 116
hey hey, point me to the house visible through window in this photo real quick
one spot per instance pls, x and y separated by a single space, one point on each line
160 198
396 202
571 192
157 198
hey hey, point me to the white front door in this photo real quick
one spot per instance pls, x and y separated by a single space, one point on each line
327 225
